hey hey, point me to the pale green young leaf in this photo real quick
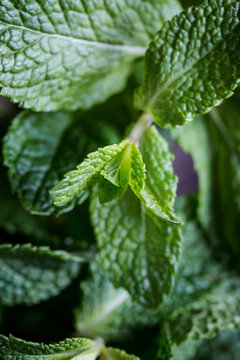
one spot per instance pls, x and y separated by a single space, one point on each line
30 274
109 312
118 169
108 192
116 354
38 149
74 348
137 250
86 174
73 54
193 63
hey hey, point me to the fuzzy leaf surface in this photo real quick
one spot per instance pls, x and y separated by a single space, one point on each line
109 312
73 54
193 63
38 149
83 349
87 174
30 274
137 250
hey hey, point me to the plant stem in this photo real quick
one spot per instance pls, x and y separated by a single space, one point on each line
141 125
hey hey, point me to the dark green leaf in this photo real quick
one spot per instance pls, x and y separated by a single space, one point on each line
39 149
30 274
193 63
138 250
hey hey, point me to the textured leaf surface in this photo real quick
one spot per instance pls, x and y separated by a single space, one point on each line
205 298
193 63
38 150
30 274
138 251
161 182
206 317
73 54
14 348
109 312
87 174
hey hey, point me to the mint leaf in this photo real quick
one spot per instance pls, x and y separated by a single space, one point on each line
13 218
108 192
116 354
37 69
72 348
213 141
118 169
30 274
38 151
225 346
210 314
109 312
161 182
187 350
18 349
192 64
87 174
137 250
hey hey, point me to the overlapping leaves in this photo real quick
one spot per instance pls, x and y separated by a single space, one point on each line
80 348
137 249
72 54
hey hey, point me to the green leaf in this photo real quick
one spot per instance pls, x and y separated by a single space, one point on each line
116 354
205 298
214 143
13 218
109 312
30 274
225 346
87 174
161 182
118 169
82 349
38 150
73 54
218 310
193 63
108 192
137 250
187 350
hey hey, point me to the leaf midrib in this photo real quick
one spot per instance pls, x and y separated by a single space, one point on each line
181 73
130 49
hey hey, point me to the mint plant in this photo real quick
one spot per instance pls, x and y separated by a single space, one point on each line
99 257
